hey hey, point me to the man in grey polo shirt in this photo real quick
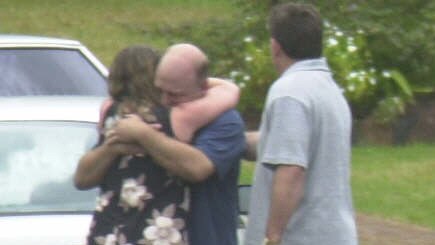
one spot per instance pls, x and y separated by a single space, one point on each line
302 180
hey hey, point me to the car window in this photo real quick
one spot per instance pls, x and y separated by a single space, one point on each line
48 72
37 163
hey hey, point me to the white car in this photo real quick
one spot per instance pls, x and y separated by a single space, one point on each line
31 65
41 141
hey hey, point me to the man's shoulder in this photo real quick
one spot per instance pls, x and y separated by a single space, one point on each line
230 116
298 78
229 123
290 86
301 84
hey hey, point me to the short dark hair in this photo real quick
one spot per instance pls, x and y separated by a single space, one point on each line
298 28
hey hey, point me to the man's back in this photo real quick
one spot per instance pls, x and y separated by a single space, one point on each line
214 201
316 136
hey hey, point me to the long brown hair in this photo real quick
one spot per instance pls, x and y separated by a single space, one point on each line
131 79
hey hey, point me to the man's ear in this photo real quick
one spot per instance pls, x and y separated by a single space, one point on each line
275 47
204 84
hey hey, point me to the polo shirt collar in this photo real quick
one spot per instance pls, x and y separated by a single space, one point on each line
319 64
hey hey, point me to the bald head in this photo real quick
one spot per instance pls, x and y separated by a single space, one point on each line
182 74
189 51
186 56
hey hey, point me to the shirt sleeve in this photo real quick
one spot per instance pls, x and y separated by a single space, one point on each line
223 142
287 136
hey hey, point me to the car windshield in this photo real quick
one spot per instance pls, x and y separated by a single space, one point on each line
48 72
37 163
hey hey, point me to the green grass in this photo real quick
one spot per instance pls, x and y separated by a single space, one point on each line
391 182
396 182
246 173
110 25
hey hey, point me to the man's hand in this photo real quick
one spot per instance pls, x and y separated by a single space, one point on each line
125 130
252 139
126 148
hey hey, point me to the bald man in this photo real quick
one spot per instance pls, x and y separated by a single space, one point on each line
211 163
182 74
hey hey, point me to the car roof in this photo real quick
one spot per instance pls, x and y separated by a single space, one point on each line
51 108
10 41
36 40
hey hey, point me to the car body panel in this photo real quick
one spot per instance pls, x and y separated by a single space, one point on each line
63 108
49 216
67 229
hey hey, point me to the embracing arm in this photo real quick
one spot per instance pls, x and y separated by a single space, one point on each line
188 117
287 192
94 164
177 157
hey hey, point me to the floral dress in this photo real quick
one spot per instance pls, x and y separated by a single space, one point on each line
140 202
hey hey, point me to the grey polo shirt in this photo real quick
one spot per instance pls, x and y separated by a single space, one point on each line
306 122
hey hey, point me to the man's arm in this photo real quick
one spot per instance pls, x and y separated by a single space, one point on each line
177 157
287 150
251 145
287 192
94 164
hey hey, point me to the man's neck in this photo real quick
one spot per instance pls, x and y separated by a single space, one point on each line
284 64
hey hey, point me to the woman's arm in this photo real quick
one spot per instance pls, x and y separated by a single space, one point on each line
188 117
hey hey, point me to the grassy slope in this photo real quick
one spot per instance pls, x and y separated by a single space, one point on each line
109 25
396 182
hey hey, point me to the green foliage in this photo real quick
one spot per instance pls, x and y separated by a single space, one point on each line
353 57
398 36
349 60
388 109
254 76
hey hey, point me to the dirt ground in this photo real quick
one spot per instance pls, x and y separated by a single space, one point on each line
377 231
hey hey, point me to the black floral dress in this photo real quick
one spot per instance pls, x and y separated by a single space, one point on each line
140 202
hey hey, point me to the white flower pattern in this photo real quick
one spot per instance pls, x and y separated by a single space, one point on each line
115 238
134 194
103 200
129 197
163 228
